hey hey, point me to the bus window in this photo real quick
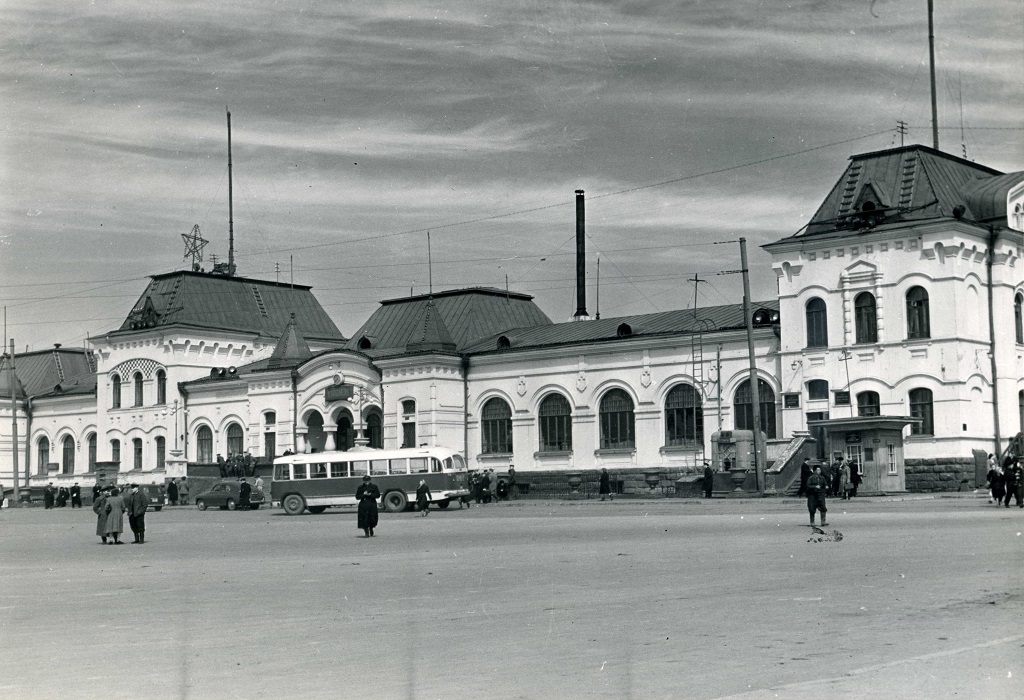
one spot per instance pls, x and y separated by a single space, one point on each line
418 465
359 468
339 470
378 467
299 471
281 472
435 464
317 471
399 466
460 464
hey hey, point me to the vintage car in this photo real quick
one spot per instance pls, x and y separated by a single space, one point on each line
224 494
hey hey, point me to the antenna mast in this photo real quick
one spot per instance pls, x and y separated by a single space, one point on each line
231 205
931 60
430 269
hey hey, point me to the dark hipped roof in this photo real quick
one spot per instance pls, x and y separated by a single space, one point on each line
53 372
219 302
911 183
466 315
666 323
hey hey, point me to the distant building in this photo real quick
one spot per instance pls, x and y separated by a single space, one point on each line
881 334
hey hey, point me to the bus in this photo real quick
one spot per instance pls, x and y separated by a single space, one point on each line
319 480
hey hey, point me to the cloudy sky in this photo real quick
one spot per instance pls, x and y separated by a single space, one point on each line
357 127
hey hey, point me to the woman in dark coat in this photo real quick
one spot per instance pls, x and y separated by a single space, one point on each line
99 507
172 493
367 495
115 516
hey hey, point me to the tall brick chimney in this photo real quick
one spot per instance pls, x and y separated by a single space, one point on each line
581 261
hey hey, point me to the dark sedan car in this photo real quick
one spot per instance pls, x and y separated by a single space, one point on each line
225 494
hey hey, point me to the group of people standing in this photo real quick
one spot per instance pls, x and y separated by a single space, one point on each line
1006 481
59 497
842 478
110 507
177 492
486 486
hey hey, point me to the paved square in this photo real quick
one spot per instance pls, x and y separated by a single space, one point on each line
673 599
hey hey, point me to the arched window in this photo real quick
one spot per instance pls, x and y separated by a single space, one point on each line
43 455
67 462
92 451
235 440
115 452
137 381
115 391
1018 316
618 428
921 407
868 404
743 407
375 429
161 387
817 324
865 318
408 423
817 390
496 427
555 424
161 452
918 318
684 417
137 453
204 445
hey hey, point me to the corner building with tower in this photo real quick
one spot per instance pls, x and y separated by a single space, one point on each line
896 339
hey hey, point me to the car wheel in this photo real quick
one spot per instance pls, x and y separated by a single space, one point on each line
293 504
254 506
231 504
157 509
317 510
395 501
200 504
443 504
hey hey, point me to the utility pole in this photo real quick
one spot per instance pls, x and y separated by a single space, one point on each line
12 383
901 129
755 394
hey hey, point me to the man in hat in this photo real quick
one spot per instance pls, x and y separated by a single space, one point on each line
49 493
244 489
817 488
183 491
367 495
76 496
709 480
137 504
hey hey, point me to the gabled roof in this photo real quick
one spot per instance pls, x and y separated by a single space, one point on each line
465 314
223 303
53 372
684 322
899 185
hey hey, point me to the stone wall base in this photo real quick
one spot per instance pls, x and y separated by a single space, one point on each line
940 474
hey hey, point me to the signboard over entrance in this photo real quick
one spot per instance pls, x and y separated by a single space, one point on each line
338 392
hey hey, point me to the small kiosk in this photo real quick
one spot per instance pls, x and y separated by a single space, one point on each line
874 444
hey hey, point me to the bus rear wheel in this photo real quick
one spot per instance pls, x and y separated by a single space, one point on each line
395 501
293 504
443 504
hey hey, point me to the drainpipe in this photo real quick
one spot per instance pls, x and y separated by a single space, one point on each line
465 408
993 237
295 412
28 443
183 392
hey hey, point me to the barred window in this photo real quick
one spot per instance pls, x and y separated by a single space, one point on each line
918 319
555 424
684 417
921 407
817 324
617 421
496 427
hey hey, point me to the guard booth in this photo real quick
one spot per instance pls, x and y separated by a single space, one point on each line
874 444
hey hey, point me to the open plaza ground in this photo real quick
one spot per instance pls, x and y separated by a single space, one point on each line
921 598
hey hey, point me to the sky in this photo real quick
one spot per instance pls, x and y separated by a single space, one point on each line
358 127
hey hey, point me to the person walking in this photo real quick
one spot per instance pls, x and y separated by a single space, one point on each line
99 507
604 486
817 487
48 496
115 516
183 491
855 479
805 474
76 495
511 482
367 495
996 483
844 480
423 497
137 504
172 493
709 480
1015 484
244 489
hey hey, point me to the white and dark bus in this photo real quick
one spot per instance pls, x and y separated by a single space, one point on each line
319 480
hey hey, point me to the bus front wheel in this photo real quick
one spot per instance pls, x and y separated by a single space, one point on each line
395 501
293 504
443 504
